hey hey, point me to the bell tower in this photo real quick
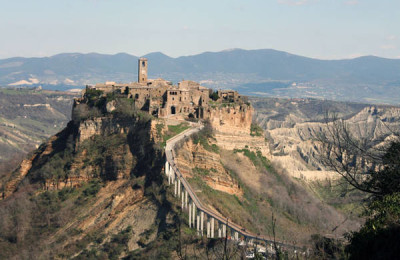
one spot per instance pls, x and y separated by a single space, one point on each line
142 70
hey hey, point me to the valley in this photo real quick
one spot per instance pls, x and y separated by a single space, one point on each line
99 189
27 118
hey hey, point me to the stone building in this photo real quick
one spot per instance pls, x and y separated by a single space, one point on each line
161 98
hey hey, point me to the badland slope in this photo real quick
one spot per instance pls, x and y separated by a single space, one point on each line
27 118
232 175
92 190
96 188
292 127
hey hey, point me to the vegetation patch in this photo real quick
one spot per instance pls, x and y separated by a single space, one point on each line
201 171
259 161
256 130
203 136
173 130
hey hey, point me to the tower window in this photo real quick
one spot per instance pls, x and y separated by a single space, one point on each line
143 64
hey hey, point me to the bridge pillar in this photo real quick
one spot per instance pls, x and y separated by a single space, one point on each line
212 227
236 236
219 229
166 167
186 199
190 215
193 213
175 187
223 230
183 199
179 187
208 228
170 173
202 222
198 224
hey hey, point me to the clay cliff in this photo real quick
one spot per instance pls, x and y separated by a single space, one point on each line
292 126
96 188
98 184
92 185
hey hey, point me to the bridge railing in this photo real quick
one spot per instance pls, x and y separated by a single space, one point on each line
170 157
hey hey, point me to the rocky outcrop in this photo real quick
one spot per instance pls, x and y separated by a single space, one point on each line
84 163
292 136
20 174
103 126
194 161
235 119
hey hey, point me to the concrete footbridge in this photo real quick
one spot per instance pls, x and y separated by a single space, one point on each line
216 225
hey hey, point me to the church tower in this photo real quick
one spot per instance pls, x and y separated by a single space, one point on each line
142 70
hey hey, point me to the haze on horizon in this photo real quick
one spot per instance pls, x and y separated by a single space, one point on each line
323 29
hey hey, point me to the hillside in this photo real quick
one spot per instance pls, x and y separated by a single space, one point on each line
27 118
92 190
292 126
253 72
97 188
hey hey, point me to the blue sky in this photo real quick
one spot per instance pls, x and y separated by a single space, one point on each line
326 29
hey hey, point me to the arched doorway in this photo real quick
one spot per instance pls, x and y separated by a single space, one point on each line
173 110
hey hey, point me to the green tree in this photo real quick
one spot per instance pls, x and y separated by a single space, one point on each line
214 95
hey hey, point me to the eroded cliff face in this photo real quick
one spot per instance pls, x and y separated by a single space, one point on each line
234 119
232 175
193 160
101 147
88 186
292 133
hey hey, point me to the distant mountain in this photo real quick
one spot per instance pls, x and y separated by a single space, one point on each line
258 72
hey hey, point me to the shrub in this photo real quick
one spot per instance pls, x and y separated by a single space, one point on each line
256 130
214 95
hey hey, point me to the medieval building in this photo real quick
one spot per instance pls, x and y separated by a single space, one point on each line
161 98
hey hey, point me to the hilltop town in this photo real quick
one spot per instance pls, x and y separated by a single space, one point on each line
162 99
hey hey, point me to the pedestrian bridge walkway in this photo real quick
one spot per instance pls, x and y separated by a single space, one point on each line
216 226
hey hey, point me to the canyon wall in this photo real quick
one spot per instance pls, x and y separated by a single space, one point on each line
292 126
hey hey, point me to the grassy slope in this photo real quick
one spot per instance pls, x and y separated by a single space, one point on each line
299 212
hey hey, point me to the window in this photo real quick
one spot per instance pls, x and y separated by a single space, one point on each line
143 64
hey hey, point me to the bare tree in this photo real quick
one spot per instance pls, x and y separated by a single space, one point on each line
354 158
277 250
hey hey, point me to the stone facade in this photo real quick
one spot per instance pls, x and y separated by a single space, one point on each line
161 98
